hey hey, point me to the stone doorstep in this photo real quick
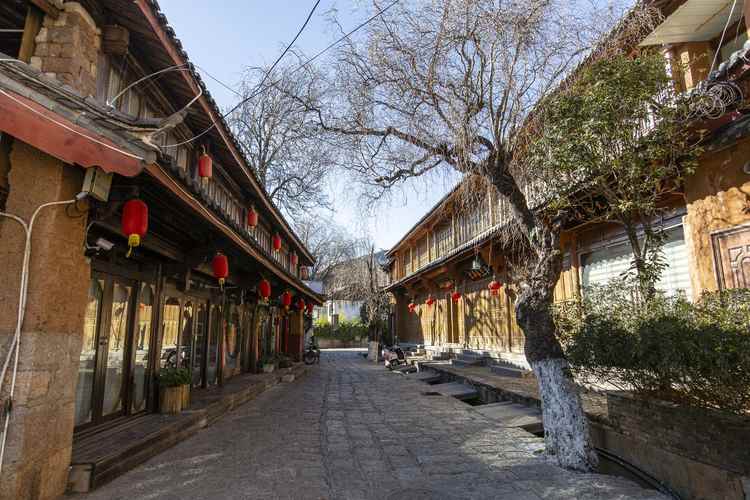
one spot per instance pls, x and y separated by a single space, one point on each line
93 465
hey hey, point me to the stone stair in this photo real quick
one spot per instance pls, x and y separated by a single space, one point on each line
508 369
456 390
469 358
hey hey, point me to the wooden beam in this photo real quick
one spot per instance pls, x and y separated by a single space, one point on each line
48 7
32 25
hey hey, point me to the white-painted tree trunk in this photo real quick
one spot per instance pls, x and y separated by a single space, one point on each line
566 429
373 350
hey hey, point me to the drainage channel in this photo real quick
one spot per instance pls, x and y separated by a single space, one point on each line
493 405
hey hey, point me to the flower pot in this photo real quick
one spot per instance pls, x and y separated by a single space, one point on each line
268 367
185 396
170 399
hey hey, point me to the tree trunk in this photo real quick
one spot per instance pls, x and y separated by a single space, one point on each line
566 430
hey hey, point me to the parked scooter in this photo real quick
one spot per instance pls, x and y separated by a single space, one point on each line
312 353
393 356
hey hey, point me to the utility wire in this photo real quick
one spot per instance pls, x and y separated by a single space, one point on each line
273 66
259 87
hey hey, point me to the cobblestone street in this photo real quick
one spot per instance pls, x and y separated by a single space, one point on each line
352 430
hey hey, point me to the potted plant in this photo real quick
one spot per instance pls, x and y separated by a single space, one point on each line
268 364
172 387
283 361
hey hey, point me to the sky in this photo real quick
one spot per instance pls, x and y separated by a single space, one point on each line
224 36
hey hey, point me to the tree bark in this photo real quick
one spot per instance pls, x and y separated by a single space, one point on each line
566 430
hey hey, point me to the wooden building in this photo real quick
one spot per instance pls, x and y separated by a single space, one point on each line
99 106
708 245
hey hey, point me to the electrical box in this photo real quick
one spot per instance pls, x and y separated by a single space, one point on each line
97 183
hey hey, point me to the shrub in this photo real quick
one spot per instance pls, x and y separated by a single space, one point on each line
345 330
665 347
173 377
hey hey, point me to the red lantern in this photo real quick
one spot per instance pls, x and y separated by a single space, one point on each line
252 218
430 301
293 259
276 240
310 308
494 287
455 297
286 299
300 305
412 306
264 289
205 166
220 266
134 222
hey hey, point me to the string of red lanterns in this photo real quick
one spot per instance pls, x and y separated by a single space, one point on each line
494 287
252 218
205 166
134 222
286 299
220 265
276 241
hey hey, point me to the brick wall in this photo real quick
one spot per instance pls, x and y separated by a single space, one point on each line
67 48
707 436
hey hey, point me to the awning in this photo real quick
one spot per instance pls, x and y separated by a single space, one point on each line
57 136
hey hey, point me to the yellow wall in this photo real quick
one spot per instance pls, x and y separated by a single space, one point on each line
718 197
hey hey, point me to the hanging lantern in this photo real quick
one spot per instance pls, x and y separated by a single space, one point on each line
252 218
286 299
412 306
494 287
300 305
264 289
429 301
220 265
276 240
293 259
455 297
134 222
310 308
205 165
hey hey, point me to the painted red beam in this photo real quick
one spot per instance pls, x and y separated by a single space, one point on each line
57 136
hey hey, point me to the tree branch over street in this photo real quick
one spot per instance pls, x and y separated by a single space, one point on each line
435 85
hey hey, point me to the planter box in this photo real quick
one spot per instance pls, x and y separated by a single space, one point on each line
185 396
170 400
268 368
707 436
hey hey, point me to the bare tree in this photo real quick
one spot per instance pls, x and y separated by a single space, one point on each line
362 279
448 84
328 242
282 141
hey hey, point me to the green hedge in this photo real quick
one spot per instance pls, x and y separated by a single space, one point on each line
667 347
345 330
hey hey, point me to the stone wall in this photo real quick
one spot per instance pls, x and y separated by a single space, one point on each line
67 48
711 437
41 428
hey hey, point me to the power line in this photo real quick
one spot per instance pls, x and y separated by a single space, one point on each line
273 66
260 88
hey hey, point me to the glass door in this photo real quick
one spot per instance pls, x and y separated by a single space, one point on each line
113 343
199 344
212 356
113 370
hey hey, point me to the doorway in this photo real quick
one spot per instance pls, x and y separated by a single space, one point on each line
113 372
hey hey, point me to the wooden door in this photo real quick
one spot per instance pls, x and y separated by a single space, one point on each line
732 257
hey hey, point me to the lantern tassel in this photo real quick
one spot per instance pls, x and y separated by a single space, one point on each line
134 240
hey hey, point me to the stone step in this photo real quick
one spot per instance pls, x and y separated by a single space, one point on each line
428 377
456 390
508 414
507 370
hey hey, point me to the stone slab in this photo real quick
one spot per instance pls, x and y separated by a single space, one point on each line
509 414
456 390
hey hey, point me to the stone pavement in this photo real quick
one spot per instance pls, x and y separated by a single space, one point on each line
352 430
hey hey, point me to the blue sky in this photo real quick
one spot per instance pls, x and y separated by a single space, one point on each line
224 36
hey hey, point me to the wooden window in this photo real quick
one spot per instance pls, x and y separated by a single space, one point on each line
423 255
732 257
